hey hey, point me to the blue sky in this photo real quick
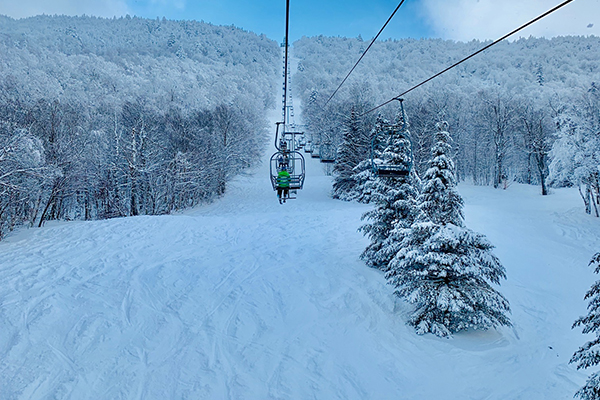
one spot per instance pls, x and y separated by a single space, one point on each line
448 19
307 17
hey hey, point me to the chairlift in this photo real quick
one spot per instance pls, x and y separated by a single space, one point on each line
315 151
292 138
289 159
391 171
327 152
294 164
385 138
308 147
385 168
302 141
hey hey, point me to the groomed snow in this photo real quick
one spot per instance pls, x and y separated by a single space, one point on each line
249 299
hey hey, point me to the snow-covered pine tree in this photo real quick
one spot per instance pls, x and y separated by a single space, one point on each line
366 183
443 268
353 149
365 179
396 202
588 355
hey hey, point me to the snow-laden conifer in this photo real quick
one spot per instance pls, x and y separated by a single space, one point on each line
366 183
443 268
589 354
395 199
366 186
439 199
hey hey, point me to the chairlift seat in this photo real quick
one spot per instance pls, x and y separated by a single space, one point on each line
327 152
391 171
296 169
296 182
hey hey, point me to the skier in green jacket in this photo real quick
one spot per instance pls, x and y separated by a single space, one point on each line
283 184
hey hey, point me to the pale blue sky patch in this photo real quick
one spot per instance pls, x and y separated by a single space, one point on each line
490 19
307 18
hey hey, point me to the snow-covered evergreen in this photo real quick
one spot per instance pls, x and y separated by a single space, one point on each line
395 199
365 183
439 199
444 269
589 354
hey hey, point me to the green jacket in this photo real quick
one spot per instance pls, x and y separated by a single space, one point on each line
283 179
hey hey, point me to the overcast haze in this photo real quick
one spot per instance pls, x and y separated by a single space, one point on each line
448 19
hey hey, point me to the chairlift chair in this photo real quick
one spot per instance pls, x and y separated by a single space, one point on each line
286 157
327 153
381 167
295 167
308 147
302 141
391 171
389 133
315 151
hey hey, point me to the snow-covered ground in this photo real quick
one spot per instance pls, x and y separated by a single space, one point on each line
248 299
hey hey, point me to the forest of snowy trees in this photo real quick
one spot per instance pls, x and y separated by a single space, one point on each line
114 117
524 111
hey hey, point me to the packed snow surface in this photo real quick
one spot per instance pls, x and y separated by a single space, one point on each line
249 299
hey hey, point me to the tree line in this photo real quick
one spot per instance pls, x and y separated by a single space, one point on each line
103 118
523 111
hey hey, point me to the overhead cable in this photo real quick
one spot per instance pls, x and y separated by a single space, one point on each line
285 66
365 52
472 55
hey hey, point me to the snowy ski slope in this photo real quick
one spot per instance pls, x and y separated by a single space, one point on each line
249 299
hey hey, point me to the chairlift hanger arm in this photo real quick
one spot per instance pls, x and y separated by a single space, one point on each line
277 134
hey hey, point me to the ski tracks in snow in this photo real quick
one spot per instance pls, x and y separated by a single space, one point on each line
248 299
220 302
